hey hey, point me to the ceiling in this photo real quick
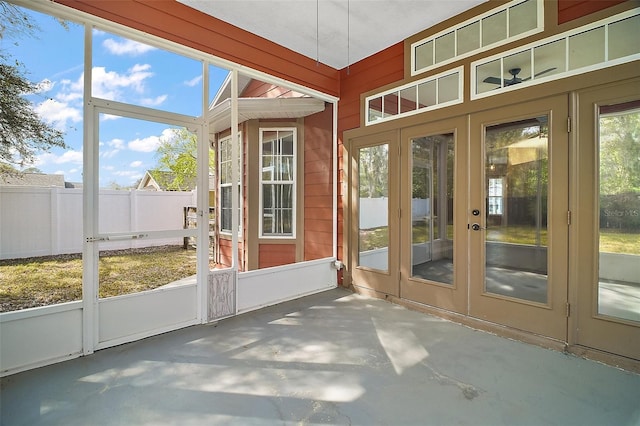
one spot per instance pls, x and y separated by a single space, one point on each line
334 32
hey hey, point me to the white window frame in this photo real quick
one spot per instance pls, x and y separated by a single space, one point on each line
506 7
414 85
222 184
496 192
293 182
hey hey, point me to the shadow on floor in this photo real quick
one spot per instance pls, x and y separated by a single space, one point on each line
331 358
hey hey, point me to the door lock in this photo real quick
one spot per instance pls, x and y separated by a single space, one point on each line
475 212
476 227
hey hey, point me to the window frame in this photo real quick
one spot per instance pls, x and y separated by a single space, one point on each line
221 141
476 19
293 183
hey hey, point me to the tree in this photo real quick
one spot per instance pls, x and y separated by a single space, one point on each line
178 154
22 132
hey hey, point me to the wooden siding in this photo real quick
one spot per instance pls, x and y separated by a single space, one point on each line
224 253
383 68
276 255
176 22
568 10
318 189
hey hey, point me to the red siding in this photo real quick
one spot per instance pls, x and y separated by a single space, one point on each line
569 10
383 68
224 253
318 190
276 255
176 22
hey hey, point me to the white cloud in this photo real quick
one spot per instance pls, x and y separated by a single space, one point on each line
71 156
59 172
111 85
148 144
194 81
154 101
135 164
58 113
44 86
126 47
116 145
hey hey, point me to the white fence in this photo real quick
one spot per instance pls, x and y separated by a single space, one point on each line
374 211
48 221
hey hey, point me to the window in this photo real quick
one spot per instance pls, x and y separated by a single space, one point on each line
277 182
501 25
598 45
226 185
433 92
495 196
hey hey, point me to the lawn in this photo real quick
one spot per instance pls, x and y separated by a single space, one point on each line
27 283
611 242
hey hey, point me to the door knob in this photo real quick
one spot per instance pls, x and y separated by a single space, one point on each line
476 227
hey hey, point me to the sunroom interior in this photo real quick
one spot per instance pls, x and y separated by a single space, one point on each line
284 133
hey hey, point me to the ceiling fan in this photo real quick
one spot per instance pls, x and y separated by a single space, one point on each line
514 77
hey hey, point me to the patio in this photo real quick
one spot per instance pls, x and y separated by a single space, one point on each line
330 358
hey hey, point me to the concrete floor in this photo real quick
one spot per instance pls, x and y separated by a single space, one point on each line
331 358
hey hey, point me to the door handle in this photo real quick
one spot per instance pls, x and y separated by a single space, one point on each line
476 227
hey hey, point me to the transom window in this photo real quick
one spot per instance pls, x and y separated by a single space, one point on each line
426 94
501 25
605 43
226 185
278 182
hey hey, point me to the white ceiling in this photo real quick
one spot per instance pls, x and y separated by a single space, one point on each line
335 32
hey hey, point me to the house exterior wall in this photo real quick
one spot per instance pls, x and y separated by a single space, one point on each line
318 185
568 10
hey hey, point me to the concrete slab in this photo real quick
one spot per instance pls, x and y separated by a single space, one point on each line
331 358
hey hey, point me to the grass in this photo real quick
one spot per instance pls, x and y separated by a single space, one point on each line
27 283
610 241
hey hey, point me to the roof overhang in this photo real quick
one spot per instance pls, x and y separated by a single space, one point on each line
262 108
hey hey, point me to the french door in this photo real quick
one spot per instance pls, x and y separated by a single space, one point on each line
517 217
469 215
607 220
374 218
433 187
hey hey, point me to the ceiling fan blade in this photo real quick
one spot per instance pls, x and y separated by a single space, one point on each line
540 73
492 80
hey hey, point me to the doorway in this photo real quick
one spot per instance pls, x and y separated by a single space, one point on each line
476 223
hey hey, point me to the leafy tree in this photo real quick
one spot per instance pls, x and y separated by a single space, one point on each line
178 154
374 171
620 153
22 131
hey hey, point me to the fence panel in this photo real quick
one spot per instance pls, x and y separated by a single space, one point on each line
48 221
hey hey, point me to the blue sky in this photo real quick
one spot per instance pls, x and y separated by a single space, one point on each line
124 71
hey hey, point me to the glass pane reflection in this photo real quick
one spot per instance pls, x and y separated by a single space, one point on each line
432 208
373 190
516 181
619 236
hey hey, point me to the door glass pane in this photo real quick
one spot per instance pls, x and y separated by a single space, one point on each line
619 237
516 182
373 190
432 162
